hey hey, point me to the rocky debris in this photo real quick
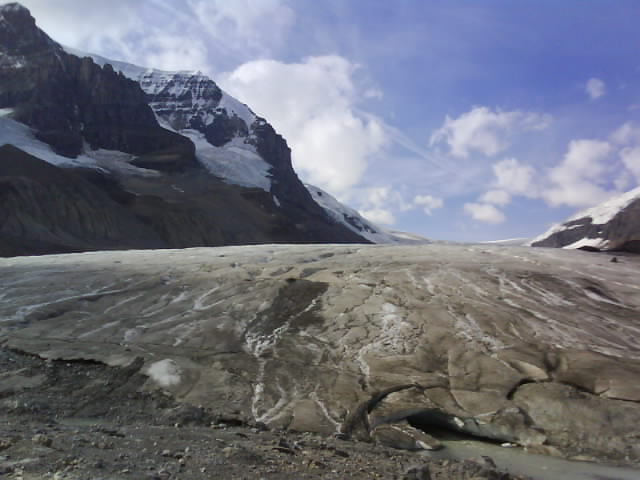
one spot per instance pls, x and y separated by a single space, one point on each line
128 435
533 347
41 439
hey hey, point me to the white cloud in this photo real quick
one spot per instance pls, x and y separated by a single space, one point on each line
626 134
383 216
631 159
428 203
312 104
242 25
576 180
514 177
172 51
485 131
496 197
485 213
164 34
595 88
373 93
95 28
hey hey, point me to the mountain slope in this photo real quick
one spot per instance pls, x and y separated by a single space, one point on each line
357 223
233 143
186 161
613 225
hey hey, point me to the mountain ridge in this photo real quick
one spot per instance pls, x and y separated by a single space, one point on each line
74 113
613 225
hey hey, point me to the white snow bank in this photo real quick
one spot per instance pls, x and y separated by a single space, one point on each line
21 136
236 162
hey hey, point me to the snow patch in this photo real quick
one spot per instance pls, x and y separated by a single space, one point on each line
22 137
236 162
588 242
165 373
240 109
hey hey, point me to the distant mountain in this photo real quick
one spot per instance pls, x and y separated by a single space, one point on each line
189 164
613 225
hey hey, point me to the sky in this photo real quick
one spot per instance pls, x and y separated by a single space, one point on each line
459 120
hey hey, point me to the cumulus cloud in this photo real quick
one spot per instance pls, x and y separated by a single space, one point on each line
626 134
378 204
313 105
576 180
428 203
485 213
595 88
96 27
514 177
511 178
485 131
167 34
496 197
630 157
383 216
244 25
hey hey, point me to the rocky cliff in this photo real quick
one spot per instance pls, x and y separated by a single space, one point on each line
614 225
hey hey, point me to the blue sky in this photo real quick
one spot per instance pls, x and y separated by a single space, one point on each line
460 120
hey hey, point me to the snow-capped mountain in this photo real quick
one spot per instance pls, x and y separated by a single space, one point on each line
223 131
358 224
170 152
612 225
221 127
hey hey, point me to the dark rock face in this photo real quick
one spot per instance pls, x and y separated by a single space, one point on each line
621 232
47 209
69 100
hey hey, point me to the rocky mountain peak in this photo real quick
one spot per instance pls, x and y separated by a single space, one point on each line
612 225
19 34
16 13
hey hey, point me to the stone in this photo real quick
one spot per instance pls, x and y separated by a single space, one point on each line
420 472
41 439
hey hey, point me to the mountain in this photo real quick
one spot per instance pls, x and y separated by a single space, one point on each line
613 225
185 163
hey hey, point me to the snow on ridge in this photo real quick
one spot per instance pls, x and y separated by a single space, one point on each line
603 213
22 137
237 162
153 81
370 231
599 215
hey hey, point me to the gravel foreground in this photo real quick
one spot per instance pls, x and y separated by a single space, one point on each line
77 420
